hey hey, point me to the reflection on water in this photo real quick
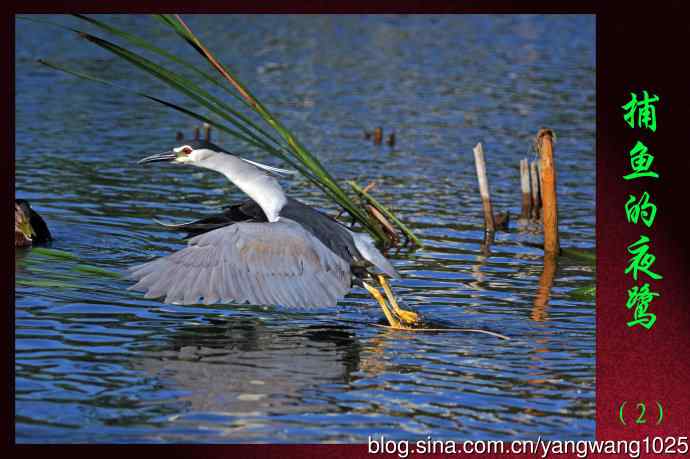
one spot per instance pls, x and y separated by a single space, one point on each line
541 299
95 362
236 372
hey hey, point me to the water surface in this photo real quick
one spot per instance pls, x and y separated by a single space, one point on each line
97 363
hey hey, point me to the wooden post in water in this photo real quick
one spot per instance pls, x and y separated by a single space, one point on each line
485 247
524 186
548 191
207 132
536 202
484 188
378 135
541 192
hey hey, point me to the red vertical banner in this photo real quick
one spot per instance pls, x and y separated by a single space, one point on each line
643 299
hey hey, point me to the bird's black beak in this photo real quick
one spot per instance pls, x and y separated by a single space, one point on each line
159 157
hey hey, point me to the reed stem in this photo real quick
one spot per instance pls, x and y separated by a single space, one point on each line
479 162
525 188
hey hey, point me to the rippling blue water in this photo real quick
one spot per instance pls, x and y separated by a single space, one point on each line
97 363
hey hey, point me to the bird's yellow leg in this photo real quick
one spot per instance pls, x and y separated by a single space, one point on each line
392 320
406 317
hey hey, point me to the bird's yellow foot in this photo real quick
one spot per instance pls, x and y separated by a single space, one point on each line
396 316
392 320
408 318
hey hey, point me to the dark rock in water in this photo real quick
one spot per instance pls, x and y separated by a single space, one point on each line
501 220
391 140
29 227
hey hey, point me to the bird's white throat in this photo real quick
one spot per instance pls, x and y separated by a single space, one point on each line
257 184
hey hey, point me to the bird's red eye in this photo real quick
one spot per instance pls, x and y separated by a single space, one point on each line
187 150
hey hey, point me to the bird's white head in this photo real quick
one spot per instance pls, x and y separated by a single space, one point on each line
206 154
189 154
255 179
196 153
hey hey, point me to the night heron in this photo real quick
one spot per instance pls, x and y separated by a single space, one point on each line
268 250
29 227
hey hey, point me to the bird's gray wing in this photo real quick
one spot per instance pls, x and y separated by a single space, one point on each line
258 263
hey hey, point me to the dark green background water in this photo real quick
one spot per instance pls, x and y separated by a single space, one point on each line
96 363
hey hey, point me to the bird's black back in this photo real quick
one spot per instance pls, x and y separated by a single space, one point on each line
331 233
